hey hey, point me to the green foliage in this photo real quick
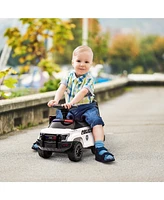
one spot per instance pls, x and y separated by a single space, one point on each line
138 70
20 92
123 51
146 56
126 52
119 65
49 66
2 95
9 81
65 57
99 44
50 85
7 71
158 48
31 46
97 40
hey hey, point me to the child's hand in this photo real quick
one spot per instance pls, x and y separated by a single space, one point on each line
51 103
67 105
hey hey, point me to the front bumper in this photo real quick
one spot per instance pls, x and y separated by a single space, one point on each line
55 146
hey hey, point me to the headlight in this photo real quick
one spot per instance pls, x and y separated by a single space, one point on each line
64 137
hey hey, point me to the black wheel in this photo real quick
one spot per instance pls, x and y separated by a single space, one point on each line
93 149
44 154
76 152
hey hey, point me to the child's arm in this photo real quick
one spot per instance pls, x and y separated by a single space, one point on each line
78 97
59 94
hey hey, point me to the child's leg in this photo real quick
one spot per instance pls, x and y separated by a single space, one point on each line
98 133
92 117
35 146
102 154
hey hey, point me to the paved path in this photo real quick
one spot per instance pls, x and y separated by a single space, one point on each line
134 134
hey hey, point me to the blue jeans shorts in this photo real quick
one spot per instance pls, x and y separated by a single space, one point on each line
84 112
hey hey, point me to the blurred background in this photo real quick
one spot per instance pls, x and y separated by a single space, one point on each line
35 53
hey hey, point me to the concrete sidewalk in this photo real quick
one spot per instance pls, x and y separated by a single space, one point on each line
134 130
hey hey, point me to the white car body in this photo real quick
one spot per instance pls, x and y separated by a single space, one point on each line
83 135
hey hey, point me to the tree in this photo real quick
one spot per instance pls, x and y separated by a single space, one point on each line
158 48
31 46
100 47
65 57
122 52
97 40
9 81
146 57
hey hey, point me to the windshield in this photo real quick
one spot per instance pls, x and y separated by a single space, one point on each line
62 124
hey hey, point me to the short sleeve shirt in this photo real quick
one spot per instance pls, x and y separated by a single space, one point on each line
75 84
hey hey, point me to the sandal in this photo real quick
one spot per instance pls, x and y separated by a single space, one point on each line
35 146
101 158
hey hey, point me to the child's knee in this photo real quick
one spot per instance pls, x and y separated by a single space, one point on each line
95 121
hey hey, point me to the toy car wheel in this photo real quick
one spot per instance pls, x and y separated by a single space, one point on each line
93 149
76 152
44 154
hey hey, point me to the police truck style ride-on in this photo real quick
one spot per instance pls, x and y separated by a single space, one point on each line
65 135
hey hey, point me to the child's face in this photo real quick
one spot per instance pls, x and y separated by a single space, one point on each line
82 62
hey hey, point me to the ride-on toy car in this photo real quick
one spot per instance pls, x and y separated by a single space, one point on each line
65 135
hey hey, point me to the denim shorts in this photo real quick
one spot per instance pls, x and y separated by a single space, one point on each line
84 112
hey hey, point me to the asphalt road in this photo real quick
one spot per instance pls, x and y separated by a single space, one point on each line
134 127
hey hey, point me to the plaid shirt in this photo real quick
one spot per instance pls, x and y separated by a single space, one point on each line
74 85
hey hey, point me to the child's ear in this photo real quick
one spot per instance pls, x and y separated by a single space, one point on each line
72 62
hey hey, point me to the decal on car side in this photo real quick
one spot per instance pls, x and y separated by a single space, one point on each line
87 137
86 131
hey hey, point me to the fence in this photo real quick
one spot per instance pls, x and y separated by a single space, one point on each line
22 112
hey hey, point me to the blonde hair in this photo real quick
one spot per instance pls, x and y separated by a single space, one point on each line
82 48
